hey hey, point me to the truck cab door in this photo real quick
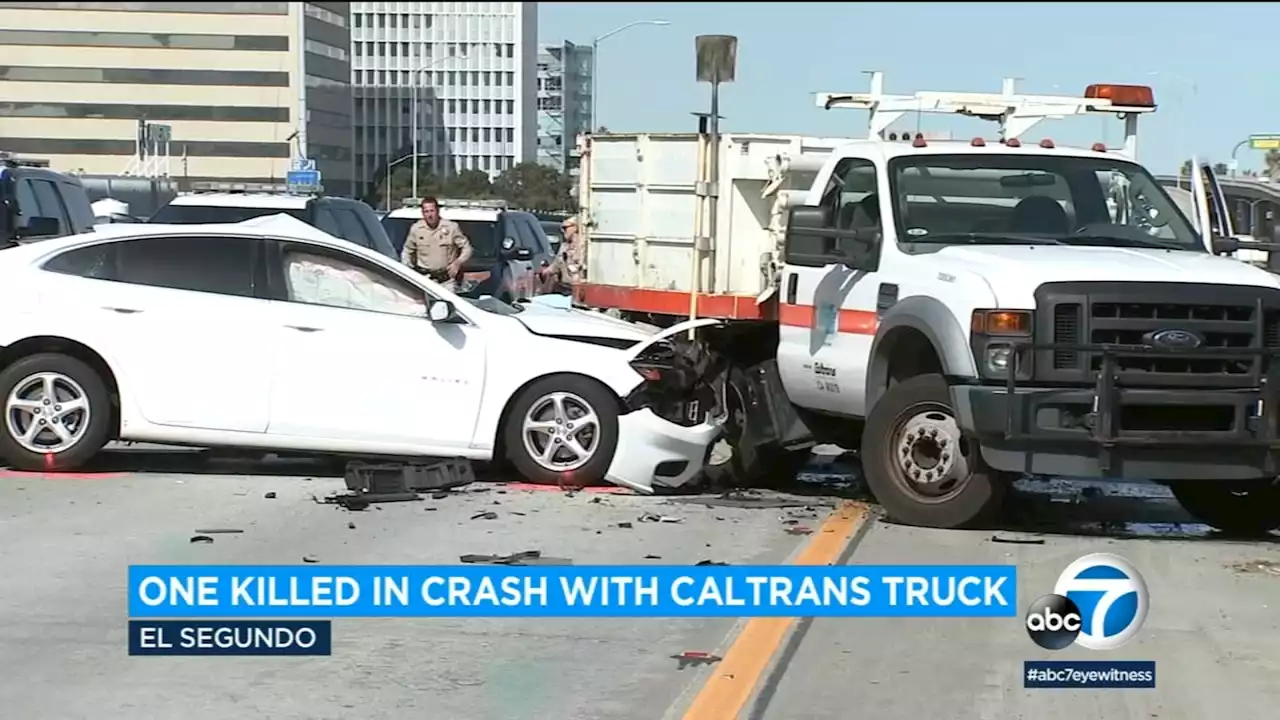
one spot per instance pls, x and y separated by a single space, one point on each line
1212 211
829 292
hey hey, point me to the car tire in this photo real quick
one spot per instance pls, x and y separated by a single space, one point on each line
92 427
911 426
1250 510
537 404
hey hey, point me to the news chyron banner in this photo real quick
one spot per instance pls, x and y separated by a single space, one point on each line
287 610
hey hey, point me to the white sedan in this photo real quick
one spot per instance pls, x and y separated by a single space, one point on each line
273 335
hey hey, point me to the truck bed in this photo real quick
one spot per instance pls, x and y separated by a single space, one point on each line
639 198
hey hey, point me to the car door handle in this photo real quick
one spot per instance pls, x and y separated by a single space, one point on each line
304 328
122 310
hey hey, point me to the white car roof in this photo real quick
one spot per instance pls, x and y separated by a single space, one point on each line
248 200
260 228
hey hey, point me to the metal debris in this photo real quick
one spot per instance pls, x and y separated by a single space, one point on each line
625 525
654 517
357 502
486 515
197 539
395 478
710 562
220 531
528 557
1017 541
694 657
270 496
310 559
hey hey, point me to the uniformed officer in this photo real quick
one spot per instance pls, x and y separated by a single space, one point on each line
436 247
566 268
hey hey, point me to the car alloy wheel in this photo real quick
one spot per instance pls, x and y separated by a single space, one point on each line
47 412
561 432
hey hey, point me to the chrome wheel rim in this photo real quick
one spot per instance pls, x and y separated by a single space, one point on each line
47 413
561 432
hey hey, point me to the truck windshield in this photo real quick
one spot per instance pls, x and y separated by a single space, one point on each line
983 199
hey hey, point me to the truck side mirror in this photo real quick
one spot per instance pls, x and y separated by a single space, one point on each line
39 226
811 241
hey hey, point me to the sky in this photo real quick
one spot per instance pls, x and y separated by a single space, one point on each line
1205 61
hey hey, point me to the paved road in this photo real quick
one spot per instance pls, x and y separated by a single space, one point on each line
1212 630
65 544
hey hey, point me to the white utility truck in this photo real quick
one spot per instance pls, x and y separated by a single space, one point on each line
964 312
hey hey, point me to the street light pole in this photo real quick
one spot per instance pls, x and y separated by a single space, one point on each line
595 53
413 108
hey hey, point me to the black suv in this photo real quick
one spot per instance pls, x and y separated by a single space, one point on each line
351 220
37 203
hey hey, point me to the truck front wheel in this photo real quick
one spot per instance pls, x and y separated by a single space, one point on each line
1253 509
920 466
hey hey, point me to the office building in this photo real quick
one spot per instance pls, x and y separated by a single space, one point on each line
564 103
238 88
471 66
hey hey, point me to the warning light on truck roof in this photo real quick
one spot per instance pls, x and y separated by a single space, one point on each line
1126 95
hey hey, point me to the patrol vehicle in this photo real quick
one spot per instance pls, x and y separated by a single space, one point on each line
964 312
37 203
509 246
231 202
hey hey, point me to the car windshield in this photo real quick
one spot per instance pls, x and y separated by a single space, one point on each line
987 199
212 214
482 234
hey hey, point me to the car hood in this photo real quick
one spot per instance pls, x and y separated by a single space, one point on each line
551 321
1014 272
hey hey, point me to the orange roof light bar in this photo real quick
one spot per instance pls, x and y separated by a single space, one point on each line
1123 95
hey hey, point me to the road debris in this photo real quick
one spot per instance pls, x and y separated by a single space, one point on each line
625 525
270 496
351 526
757 499
1267 567
219 531
1016 540
710 562
652 557
798 530
485 515
654 517
393 478
357 502
528 557
310 559
201 539
694 657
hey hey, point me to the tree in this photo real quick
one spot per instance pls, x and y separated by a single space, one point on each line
398 185
1272 160
468 185
536 187
1185 170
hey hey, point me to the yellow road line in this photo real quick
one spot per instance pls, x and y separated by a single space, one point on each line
734 679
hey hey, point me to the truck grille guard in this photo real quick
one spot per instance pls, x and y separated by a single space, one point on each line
1259 430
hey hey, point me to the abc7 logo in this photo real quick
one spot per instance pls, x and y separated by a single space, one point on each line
1114 599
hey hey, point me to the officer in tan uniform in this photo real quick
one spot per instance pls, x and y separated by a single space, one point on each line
567 267
436 247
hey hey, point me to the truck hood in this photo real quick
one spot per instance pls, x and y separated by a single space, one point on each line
1014 272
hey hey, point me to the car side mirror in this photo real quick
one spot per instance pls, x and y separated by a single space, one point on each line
39 226
1225 246
440 311
524 254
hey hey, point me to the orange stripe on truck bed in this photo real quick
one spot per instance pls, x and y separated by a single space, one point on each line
735 307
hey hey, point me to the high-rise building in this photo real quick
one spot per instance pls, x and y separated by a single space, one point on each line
237 88
471 67
564 103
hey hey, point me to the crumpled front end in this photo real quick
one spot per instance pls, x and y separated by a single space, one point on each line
676 414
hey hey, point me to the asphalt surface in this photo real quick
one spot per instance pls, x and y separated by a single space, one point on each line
65 543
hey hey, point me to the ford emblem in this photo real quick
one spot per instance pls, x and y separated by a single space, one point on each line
1173 339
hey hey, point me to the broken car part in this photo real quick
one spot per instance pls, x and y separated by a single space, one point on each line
390 478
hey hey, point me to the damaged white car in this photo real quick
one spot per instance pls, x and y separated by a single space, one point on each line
275 336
